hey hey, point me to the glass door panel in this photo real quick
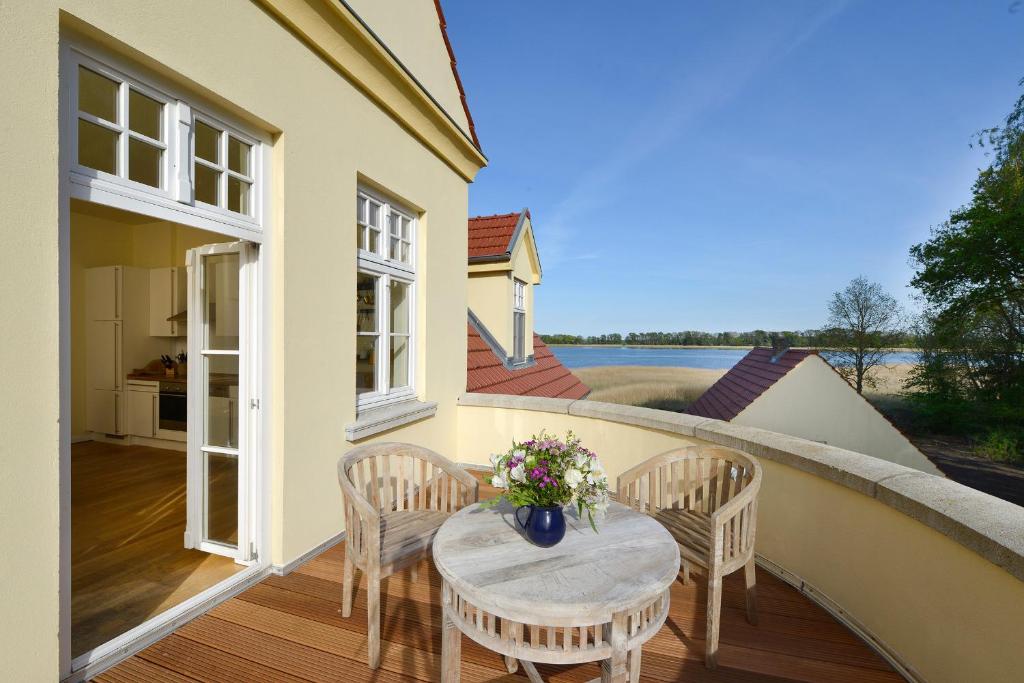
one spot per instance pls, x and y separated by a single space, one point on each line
218 349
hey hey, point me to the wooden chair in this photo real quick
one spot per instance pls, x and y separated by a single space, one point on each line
706 496
396 496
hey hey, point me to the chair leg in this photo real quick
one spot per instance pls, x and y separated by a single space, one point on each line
714 616
748 573
373 617
414 573
686 573
347 587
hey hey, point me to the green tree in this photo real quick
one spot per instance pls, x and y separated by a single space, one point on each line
971 277
864 324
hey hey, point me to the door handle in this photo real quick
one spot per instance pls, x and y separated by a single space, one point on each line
156 413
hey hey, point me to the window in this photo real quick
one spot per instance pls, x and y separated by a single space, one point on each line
152 144
221 168
385 301
518 321
122 128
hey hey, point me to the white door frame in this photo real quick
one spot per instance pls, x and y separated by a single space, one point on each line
110 653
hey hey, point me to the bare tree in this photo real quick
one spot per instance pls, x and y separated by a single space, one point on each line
865 323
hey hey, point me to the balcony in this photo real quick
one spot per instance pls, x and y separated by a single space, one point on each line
868 571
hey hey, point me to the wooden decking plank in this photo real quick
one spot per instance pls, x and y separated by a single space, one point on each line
205 663
138 669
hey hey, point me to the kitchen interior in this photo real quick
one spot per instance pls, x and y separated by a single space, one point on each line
129 420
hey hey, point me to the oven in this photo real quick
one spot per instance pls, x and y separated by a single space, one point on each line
174 406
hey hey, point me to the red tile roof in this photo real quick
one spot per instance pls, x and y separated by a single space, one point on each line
491 236
486 373
455 72
747 380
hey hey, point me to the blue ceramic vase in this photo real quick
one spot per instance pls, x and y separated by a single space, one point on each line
543 526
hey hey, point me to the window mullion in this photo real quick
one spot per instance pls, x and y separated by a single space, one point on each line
385 328
122 137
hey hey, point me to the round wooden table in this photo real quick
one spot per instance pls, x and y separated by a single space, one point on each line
592 597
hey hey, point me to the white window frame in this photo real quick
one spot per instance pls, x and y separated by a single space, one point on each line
518 308
385 269
175 198
226 132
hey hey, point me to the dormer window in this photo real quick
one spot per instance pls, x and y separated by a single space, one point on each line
518 321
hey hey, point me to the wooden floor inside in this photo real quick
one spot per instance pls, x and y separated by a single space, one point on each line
128 562
290 629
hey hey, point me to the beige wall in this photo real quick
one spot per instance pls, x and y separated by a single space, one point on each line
102 236
326 131
815 403
942 609
411 30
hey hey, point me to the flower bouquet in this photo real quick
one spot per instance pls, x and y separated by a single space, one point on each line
544 474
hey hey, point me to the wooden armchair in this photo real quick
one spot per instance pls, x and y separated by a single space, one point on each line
706 496
396 496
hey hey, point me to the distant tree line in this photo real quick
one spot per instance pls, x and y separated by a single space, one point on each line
811 338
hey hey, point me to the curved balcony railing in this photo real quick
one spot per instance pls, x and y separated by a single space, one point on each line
927 571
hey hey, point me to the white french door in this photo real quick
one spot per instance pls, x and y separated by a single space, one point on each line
222 398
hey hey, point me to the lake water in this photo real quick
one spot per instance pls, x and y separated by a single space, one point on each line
713 359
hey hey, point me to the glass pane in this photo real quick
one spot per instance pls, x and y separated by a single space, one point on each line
97 147
399 307
366 303
221 498
373 217
144 162
238 195
222 401
396 224
366 364
360 209
207 184
396 252
360 237
238 156
97 95
207 142
220 300
144 114
404 256
374 236
399 361
405 228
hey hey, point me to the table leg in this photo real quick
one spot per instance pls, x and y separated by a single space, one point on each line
634 665
614 670
451 649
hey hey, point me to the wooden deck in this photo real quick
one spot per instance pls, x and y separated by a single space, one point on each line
290 629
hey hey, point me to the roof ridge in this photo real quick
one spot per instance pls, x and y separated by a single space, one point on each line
495 215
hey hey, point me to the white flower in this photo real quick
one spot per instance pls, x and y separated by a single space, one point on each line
597 473
495 459
573 477
499 482
518 473
601 504
580 459
520 454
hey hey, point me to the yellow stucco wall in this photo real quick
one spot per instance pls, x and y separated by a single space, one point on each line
941 608
412 32
815 403
326 133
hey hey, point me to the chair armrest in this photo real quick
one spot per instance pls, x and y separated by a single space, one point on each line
465 478
735 504
357 500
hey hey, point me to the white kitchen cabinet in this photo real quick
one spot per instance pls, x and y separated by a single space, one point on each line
105 413
103 293
143 408
117 341
168 294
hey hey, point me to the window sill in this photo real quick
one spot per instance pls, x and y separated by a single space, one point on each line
381 419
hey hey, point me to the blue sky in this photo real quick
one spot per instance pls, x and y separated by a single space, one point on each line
728 165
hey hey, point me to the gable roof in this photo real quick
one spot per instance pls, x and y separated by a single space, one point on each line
745 382
455 72
486 372
492 238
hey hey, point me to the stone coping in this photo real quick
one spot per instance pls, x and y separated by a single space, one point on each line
991 527
379 420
